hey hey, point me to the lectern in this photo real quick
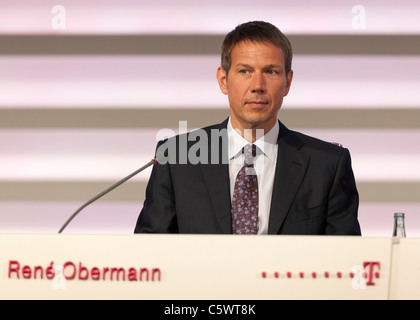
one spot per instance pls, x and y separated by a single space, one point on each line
207 267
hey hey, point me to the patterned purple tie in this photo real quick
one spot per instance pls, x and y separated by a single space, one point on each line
245 196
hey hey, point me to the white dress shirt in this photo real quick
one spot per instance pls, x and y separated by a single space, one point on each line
265 166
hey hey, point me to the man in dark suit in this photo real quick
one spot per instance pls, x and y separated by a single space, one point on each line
303 186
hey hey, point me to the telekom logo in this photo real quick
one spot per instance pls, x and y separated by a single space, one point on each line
361 275
373 269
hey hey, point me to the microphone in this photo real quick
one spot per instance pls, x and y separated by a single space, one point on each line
156 159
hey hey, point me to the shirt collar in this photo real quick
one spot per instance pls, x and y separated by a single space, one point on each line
267 143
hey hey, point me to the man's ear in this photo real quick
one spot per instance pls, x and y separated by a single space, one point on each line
222 79
289 82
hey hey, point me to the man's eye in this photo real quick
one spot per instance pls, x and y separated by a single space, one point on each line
243 71
271 71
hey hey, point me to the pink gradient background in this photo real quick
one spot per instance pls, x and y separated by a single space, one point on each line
321 81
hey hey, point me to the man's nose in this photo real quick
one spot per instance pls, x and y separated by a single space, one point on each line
258 83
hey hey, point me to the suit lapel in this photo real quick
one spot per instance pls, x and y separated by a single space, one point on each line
290 170
216 178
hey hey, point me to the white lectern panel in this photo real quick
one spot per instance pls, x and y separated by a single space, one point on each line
405 281
193 267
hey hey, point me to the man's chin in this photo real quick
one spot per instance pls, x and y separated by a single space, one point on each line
258 120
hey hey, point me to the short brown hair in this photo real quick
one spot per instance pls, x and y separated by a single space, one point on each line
255 31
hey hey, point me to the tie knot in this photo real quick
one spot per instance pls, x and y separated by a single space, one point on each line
250 153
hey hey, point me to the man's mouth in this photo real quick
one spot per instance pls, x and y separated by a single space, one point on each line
257 103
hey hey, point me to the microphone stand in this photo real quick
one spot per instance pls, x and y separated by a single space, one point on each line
152 162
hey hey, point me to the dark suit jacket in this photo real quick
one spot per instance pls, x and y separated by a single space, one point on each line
314 192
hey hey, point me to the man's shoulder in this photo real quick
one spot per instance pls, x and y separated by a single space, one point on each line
205 145
190 135
312 143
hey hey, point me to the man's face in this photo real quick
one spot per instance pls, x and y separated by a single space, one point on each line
255 85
